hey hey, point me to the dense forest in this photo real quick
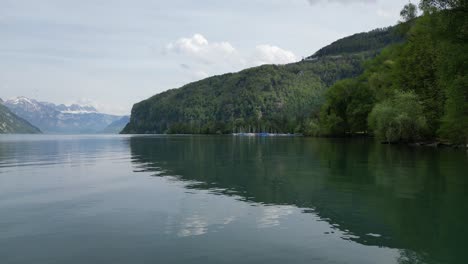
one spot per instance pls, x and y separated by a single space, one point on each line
268 98
374 40
402 83
413 91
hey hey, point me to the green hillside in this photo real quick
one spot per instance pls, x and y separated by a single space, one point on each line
411 88
374 40
269 98
266 98
12 124
412 92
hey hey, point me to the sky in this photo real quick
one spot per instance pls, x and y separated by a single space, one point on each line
114 53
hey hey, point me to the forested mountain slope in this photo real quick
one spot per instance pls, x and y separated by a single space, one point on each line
412 87
273 98
374 40
412 92
268 98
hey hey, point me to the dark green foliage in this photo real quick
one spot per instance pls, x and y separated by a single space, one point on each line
435 5
374 40
400 118
417 71
268 98
409 12
434 64
348 104
427 73
450 29
12 124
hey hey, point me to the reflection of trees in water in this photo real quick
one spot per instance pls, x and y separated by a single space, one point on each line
413 198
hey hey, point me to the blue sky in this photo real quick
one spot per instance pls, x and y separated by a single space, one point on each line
114 53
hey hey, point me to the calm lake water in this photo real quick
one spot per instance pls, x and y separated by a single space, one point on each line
202 199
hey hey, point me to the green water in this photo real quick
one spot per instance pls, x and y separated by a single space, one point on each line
207 199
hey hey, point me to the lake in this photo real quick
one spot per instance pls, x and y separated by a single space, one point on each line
223 199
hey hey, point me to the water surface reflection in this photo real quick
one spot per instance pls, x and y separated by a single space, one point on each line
195 199
410 199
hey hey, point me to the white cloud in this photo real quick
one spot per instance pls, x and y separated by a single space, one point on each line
203 58
200 48
268 54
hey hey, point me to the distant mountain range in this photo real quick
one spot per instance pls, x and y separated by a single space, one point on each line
116 126
11 123
66 119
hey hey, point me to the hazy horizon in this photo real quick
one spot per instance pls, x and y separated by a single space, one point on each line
112 54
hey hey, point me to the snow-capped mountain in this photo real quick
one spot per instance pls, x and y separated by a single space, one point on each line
76 109
11 123
52 118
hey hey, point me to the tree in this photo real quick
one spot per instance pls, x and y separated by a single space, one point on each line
446 25
400 118
409 12
429 6
349 102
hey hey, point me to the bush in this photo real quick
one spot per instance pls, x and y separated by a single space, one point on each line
348 103
398 119
312 128
455 122
332 125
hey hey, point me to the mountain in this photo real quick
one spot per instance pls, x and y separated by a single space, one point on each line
374 40
74 109
51 118
116 126
268 98
12 124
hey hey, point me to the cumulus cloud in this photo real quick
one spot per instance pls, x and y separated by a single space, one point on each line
313 2
200 48
268 54
203 58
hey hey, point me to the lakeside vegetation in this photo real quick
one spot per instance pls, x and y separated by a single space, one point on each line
410 92
403 83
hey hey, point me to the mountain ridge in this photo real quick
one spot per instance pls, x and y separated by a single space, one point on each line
371 41
60 118
12 124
